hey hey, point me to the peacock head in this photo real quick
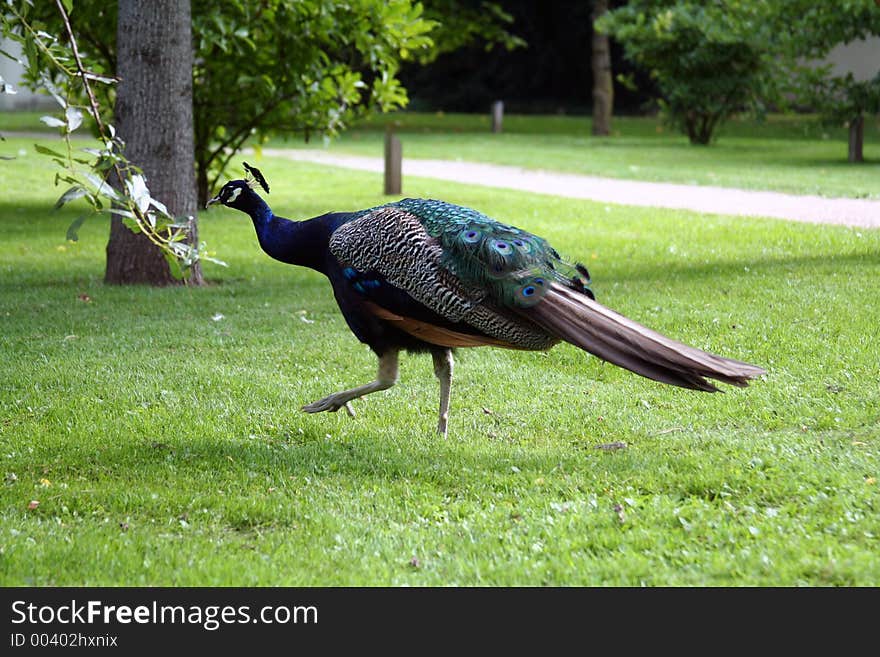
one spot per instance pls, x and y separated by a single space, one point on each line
239 194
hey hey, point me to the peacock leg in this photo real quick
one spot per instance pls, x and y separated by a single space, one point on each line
443 365
386 378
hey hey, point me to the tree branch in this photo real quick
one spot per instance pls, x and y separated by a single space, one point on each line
82 74
142 220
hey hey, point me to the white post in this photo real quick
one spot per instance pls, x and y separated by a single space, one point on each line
393 163
497 115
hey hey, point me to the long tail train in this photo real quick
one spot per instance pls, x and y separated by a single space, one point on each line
587 324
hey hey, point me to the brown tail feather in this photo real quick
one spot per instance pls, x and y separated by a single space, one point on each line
609 335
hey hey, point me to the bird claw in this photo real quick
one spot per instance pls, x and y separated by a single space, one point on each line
322 405
331 404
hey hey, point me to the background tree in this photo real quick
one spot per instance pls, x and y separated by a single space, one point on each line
306 67
153 115
843 100
817 28
603 80
87 169
709 59
463 23
295 67
550 74
713 59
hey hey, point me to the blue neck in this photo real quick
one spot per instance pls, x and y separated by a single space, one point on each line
294 242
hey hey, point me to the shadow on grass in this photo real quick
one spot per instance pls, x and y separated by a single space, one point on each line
270 481
744 268
355 454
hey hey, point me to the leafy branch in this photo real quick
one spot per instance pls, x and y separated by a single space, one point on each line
90 179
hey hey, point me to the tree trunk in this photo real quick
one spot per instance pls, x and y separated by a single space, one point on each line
856 138
154 117
603 83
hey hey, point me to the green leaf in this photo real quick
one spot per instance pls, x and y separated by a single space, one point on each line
102 79
102 187
52 89
174 265
47 151
131 224
72 234
68 6
52 122
74 118
214 260
9 55
119 212
75 192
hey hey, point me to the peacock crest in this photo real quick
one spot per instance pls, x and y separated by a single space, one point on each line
255 176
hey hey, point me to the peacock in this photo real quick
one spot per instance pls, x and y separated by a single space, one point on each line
425 275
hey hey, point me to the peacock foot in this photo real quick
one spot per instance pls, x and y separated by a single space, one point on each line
331 404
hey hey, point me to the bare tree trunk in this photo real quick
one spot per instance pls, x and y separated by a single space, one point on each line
603 83
154 117
856 138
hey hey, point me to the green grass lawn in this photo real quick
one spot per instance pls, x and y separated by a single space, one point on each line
159 429
785 153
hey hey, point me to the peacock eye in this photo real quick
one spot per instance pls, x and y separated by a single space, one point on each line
232 194
471 236
528 290
500 247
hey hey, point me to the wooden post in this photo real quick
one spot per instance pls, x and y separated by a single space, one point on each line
856 138
393 163
497 115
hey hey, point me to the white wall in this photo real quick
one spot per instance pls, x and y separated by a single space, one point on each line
861 58
11 73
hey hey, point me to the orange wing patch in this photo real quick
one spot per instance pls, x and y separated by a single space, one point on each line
442 337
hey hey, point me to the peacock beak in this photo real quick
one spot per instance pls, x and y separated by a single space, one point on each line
216 199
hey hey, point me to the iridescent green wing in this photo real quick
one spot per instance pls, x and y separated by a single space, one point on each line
513 266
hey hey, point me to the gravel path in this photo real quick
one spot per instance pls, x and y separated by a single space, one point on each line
716 200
